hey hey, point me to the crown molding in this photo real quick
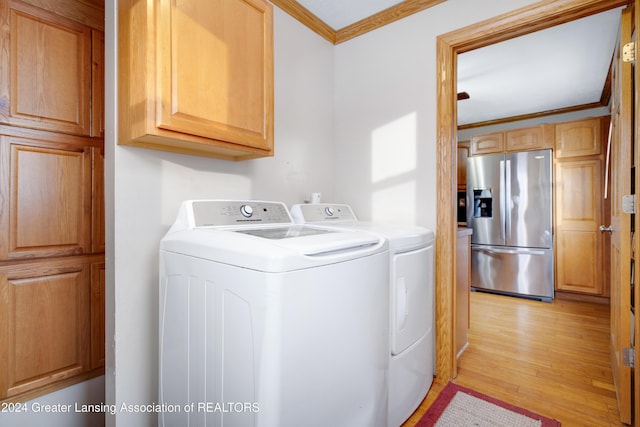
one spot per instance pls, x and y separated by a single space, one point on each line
380 19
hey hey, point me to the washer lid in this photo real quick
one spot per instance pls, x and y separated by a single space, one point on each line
287 232
274 249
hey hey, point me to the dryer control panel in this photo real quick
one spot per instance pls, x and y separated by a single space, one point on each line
320 212
218 213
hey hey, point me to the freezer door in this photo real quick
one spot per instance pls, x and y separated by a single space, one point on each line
485 199
522 271
528 199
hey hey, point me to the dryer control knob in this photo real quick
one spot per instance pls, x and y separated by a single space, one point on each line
328 210
246 211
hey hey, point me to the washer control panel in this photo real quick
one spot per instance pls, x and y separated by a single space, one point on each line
319 212
217 213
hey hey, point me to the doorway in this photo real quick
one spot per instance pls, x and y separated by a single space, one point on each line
523 21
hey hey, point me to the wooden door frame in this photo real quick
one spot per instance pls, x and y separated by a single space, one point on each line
537 16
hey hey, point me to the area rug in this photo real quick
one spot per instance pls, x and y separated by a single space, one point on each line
458 406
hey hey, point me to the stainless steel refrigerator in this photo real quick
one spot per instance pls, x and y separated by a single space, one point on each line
509 208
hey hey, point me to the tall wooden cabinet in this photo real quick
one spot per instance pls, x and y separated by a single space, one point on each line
196 77
51 197
579 206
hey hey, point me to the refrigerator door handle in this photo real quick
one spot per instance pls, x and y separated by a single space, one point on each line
507 193
512 251
502 201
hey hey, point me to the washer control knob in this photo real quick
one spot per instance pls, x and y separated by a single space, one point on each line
246 211
328 210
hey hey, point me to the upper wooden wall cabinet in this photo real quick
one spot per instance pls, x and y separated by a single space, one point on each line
579 138
531 138
196 76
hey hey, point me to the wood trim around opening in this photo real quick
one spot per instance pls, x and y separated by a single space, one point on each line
522 21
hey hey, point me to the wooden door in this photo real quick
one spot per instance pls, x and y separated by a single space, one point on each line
621 165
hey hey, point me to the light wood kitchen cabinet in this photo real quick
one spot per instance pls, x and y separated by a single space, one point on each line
44 324
490 143
579 138
46 73
46 181
196 77
531 138
51 195
579 212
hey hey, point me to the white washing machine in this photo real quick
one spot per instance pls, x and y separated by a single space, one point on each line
270 324
411 300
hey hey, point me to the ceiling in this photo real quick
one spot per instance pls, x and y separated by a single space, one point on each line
553 69
559 68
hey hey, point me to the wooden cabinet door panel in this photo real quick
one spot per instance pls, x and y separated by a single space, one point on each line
525 139
487 144
578 188
47 212
216 72
579 262
48 67
46 333
579 138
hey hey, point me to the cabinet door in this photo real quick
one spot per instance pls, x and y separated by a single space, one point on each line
578 217
45 76
579 138
487 144
531 138
216 70
44 326
45 208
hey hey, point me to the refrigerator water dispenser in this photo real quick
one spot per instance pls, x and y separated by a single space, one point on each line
482 203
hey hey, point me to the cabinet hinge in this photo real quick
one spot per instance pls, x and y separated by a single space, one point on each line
629 52
629 204
628 357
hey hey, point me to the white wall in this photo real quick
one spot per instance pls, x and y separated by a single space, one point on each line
145 189
385 97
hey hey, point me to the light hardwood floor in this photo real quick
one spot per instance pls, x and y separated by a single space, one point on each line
550 358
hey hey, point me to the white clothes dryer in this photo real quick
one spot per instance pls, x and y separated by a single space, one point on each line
266 323
411 302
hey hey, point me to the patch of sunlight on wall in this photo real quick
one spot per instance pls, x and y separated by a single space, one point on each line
393 168
394 148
